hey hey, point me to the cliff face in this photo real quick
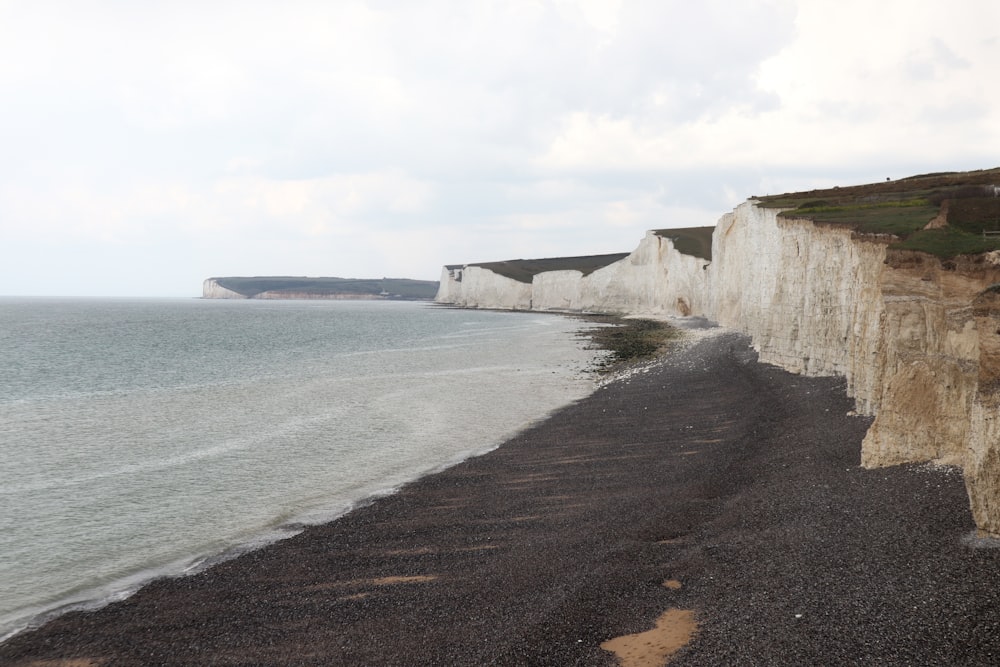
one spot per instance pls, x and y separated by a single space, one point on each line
982 462
917 339
654 279
476 287
896 324
808 296
931 361
211 289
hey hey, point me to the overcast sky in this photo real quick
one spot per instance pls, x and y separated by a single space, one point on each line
145 146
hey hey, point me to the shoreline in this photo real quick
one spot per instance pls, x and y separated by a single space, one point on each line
736 482
96 598
93 593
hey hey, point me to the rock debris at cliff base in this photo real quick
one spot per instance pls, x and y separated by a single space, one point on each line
736 481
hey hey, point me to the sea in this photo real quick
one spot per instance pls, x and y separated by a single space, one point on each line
142 438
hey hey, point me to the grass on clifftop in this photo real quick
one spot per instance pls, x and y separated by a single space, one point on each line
948 242
524 270
629 340
693 241
903 208
899 218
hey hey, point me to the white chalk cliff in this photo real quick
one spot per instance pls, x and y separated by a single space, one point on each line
917 339
654 279
211 289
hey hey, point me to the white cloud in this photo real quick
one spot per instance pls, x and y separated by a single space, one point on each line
341 197
601 15
892 88
317 137
602 142
237 208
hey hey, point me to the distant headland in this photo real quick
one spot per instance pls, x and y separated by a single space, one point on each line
302 287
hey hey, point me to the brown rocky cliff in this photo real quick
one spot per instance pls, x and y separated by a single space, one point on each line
982 457
929 358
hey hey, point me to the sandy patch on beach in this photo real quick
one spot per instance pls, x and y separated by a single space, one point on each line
416 551
376 581
653 648
424 551
352 598
390 581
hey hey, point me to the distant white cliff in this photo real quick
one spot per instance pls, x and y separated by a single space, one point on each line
654 279
327 288
211 289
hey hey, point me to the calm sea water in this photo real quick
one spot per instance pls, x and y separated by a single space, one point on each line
150 437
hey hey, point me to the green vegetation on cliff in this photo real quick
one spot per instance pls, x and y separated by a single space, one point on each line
523 270
693 241
944 214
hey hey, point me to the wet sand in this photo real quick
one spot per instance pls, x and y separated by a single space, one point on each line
709 490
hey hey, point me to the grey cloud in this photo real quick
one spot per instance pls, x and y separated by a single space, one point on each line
937 60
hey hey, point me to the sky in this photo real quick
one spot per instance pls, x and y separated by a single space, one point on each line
146 146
